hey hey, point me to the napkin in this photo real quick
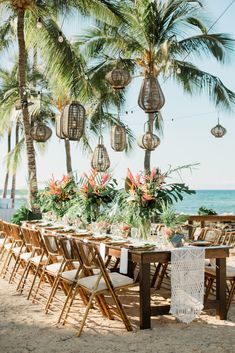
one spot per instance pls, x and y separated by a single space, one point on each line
124 261
102 250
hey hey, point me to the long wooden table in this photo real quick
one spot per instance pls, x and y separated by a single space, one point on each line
145 258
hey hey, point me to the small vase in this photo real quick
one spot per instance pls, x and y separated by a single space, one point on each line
145 227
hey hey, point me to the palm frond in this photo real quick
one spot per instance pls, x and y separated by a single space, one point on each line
196 81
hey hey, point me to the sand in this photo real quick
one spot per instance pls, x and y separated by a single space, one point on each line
25 328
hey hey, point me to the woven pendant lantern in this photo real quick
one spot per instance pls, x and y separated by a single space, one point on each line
40 132
72 122
151 98
218 131
148 141
58 127
118 138
118 78
100 159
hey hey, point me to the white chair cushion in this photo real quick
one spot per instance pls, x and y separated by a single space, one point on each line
25 256
36 259
16 250
53 268
69 275
230 270
117 280
8 246
2 241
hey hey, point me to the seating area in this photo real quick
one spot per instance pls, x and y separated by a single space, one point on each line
60 270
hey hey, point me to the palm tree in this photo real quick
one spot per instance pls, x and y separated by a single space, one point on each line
27 11
162 36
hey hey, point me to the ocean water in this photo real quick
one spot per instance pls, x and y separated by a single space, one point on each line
222 201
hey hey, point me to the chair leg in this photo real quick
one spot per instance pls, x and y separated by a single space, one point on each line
33 282
23 278
86 314
6 265
230 297
121 311
65 304
208 287
52 293
161 275
69 306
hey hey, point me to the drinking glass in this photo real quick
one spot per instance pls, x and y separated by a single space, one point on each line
135 233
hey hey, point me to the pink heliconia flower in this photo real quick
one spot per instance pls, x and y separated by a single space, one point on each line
147 197
138 181
104 179
153 173
65 179
168 232
130 176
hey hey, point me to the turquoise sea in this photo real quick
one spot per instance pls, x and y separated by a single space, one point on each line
222 201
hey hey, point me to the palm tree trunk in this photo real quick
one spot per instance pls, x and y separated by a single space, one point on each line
147 155
13 184
147 161
68 156
32 174
7 172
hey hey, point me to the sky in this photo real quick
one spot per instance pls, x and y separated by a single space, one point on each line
187 124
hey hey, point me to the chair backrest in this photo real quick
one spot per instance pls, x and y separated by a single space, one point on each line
26 235
16 232
228 238
6 229
92 259
69 249
213 235
52 245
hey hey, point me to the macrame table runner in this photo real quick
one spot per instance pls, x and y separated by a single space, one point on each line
187 282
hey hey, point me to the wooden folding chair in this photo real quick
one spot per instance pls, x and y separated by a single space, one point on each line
211 234
210 274
13 249
51 268
100 283
67 277
34 258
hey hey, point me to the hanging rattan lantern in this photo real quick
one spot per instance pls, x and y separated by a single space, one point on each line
218 131
151 98
118 138
118 78
72 122
100 159
148 141
40 132
58 127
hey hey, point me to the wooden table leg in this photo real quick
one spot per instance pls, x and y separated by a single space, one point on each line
221 288
145 307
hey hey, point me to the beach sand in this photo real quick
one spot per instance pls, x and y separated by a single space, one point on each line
25 328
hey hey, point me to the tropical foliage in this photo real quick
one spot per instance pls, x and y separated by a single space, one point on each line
145 196
97 191
58 196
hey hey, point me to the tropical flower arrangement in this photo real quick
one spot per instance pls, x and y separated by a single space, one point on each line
96 191
145 194
58 196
